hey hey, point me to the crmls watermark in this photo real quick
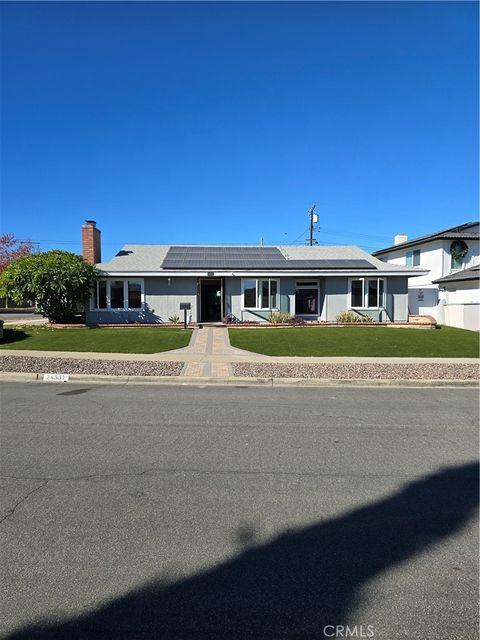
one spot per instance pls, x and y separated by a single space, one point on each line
347 631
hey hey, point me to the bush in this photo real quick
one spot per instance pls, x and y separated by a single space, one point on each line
174 319
280 317
348 317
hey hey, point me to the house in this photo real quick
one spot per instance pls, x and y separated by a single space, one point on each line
461 292
443 253
147 283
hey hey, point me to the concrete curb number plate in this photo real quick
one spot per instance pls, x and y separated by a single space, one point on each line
56 377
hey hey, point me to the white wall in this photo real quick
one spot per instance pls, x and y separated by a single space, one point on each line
462 292
463 316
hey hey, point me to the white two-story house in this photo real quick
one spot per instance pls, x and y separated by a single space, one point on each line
443 253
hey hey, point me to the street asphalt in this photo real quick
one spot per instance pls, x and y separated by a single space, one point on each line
182 512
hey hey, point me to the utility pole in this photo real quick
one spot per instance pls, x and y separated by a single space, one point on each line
313 220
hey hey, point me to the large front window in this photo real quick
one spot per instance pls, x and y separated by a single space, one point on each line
117 294
260 294
367 293
306 298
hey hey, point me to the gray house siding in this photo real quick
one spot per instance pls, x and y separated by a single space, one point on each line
397 298
161 301
162 298
334 292
232 296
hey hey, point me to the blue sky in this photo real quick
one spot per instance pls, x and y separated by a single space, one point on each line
179 122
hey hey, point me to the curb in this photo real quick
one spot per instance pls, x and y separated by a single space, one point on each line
243 382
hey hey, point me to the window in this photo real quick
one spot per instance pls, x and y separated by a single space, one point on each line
306 298
100 295
413 258
456 263
134 295
250 294
117 294
357 293
260 294
458 251
367 293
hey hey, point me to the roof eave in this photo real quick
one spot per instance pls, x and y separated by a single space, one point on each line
262 272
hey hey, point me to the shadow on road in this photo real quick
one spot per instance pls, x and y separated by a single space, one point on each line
291 586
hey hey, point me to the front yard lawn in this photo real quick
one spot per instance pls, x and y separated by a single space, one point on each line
98 340
442 342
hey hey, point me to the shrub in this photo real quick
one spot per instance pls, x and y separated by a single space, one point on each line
280 317
59 282
348 316
174 319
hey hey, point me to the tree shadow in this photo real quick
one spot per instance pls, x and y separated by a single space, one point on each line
11 336
293 585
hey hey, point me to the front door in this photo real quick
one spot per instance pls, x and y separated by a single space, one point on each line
211 291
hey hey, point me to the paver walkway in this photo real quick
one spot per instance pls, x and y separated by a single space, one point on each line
208 343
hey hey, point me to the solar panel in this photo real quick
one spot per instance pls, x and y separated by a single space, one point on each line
182 257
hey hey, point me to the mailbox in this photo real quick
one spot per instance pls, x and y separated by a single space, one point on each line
185 306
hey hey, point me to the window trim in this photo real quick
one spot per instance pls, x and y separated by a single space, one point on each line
365 280
258 293
125 281
309 284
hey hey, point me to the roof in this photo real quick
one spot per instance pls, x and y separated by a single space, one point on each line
472 273
156 258
467 231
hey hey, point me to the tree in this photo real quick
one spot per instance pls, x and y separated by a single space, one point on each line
59 282
11 249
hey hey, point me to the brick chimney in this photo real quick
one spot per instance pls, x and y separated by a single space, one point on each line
91 249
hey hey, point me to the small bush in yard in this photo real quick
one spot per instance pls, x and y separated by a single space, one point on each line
348 317
279 317
174 319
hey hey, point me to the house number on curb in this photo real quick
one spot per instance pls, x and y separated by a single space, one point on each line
56 377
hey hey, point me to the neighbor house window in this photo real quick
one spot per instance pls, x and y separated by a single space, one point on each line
306 298
456 264
260 294
117 294
413 258
367 293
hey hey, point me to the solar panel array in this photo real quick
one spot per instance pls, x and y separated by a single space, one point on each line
210 258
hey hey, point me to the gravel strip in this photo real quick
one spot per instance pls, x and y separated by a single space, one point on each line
367 371
30 364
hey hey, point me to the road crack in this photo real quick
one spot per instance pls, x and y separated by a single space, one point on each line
23 499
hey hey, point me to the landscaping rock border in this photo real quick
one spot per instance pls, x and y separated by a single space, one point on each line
32 364
359 371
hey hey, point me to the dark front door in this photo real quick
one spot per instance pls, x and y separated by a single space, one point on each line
211 300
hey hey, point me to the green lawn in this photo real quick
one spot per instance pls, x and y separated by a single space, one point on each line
98 340
442 342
